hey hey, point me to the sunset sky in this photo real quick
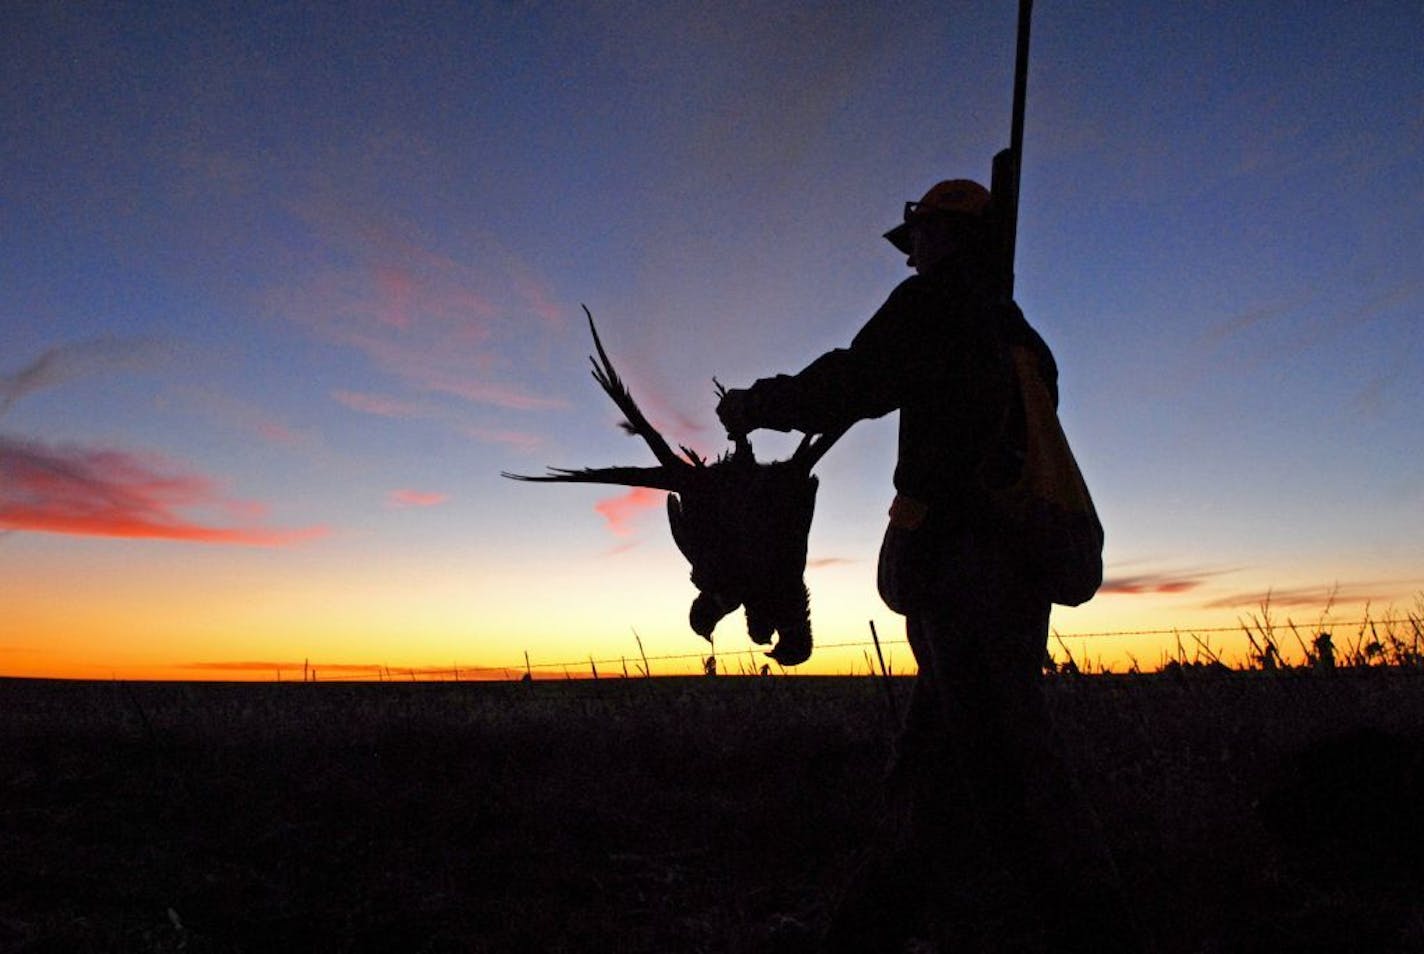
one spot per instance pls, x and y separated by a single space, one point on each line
284 288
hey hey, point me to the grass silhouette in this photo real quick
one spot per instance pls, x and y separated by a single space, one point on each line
685 814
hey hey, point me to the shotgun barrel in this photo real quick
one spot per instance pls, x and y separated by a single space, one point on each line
1004 181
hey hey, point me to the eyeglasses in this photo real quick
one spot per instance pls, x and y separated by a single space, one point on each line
919 212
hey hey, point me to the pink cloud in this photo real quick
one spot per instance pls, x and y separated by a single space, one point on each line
380 405
397 291
1148 583
620 512
1312 597
275 432
484 392
436 322
406 498
536 296
1162 582
233 412
112 493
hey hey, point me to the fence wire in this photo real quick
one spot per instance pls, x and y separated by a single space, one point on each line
621 665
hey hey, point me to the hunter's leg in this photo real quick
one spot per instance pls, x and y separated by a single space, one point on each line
881 904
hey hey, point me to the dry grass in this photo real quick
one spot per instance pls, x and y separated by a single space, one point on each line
666 814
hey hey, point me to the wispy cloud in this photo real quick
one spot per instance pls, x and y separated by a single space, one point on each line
382 405
819 562
1228 329
622 511
113 493
1160 582
435 322
1273 334
1382 302
618 548
1312 597
243 415
405 498
485 392
66 362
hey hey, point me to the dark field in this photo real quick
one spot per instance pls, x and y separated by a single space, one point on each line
664 815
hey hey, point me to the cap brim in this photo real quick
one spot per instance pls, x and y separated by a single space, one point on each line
900 237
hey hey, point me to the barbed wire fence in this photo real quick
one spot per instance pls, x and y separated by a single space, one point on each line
749 661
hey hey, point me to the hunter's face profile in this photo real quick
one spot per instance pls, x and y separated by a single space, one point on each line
934 238
942 225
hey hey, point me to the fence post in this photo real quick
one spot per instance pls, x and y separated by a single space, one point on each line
885 677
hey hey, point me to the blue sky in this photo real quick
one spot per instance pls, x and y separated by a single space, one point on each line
284 289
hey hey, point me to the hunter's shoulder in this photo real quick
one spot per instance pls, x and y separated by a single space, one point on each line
915 288
915 298
953 290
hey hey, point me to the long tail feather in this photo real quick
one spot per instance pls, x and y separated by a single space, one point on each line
655 477
613 385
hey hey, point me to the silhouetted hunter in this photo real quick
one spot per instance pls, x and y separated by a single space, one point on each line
986 840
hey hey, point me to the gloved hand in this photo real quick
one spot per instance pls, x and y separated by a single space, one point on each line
734 410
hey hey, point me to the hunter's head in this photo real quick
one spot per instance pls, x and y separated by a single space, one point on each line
950 223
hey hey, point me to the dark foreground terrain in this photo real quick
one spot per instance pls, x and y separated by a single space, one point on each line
1249 812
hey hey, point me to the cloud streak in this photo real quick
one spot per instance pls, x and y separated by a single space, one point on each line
111 493
438 324
484 392
621 512
1311 597
243 415
382 405
406 499
67 362
1162 582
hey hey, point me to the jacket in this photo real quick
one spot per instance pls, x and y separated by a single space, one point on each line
936 352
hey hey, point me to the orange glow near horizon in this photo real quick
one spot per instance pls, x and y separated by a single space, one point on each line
159 611
58 650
